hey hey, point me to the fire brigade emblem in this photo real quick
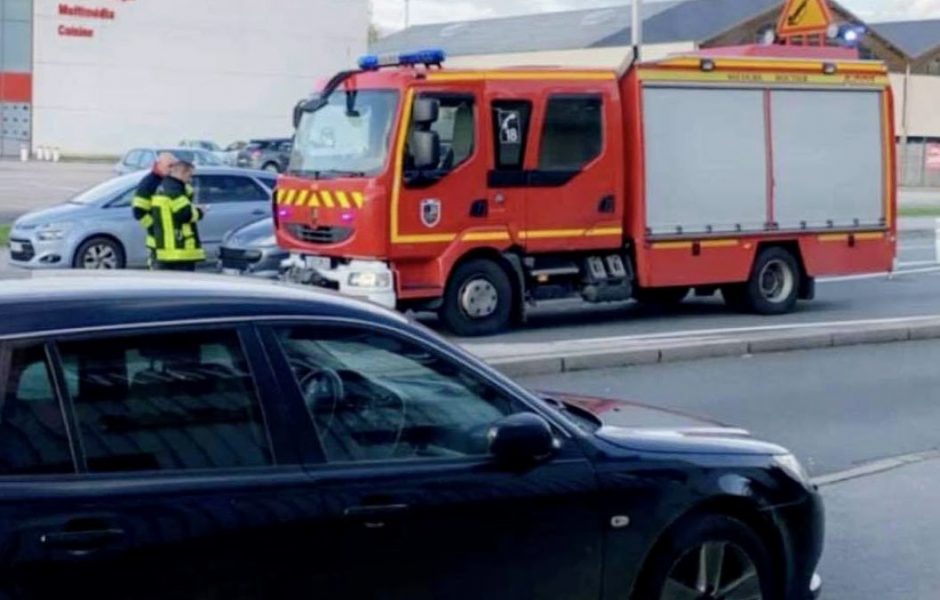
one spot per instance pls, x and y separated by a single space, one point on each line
431 212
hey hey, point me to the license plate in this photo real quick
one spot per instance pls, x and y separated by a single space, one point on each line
16 247
320 263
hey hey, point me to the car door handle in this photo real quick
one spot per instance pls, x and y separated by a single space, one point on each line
82 541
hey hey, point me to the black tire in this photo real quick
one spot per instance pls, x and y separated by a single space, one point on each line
272 167
676 562
480 286
100 253
661 297
774 285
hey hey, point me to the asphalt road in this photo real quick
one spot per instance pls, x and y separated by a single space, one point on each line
836 409
28 186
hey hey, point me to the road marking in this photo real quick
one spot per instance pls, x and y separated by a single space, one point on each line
900 273
876 467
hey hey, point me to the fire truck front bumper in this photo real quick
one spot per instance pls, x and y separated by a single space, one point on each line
368 279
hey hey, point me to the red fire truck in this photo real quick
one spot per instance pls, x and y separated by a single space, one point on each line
749 170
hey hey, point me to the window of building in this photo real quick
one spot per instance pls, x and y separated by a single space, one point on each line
372 396
510 133
572 135
165 402
33 439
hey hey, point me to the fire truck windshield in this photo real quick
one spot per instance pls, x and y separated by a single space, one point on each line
347 137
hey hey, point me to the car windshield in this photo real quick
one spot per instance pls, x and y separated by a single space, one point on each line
101 191
347 137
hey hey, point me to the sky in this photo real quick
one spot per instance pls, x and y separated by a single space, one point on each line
389 14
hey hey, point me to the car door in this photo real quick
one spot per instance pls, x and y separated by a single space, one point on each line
179 486
230 201
414 505
118 220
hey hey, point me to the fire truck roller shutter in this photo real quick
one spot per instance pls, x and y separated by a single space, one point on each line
706 159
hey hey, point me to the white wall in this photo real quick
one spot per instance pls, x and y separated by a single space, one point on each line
923 117
607 58
164 70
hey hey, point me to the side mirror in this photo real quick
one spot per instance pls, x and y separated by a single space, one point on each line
522 439
425 111
426 150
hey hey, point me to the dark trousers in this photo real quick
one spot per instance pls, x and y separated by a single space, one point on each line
157 265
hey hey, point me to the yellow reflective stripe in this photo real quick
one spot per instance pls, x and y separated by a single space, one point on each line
184 255
720 243
147 221
551 233
314 200
151 241
834 237
179 204
672 246
604 231
486 236
302 197
869 236
343 199
279 196
141 203
358 199
289 199
426 239
327 198
400 142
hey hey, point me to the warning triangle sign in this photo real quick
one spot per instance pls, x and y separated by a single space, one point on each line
804 17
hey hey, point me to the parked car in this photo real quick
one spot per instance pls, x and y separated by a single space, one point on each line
143 158
194 437
96 229
269 154
208 146
252 250
232 150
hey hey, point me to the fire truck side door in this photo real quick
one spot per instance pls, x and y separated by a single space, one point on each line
575 174
436 203
507 179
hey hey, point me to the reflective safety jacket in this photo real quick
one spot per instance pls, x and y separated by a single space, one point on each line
142 204
176 236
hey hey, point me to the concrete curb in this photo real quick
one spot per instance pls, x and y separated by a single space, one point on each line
637 352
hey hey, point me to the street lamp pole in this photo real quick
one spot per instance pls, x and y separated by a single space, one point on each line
636 29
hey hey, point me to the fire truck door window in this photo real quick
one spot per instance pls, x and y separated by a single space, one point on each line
510 132
456 126
572 135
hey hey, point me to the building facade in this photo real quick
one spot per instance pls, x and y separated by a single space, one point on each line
94 77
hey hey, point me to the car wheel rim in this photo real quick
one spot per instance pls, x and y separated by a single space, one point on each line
100 256
479 299
776 281
713 571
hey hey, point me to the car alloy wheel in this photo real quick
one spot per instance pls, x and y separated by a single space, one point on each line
713 571
100 256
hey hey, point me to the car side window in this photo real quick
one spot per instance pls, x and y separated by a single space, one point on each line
165 402
372 396
456 126
146 159
33 439
572 135
124 199
218 189
510 131
132 158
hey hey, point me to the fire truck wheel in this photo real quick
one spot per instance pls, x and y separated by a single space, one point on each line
661 297
478 300
774 284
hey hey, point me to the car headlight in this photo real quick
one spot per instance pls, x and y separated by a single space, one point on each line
53 231
370 280
792 467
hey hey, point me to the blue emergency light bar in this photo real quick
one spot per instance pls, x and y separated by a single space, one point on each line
374 62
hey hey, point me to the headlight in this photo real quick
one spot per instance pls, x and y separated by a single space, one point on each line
792 467
370 280
53 231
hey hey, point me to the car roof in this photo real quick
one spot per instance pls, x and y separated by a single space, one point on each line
219 170
76 301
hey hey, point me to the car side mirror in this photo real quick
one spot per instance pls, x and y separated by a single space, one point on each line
426 111
298 113
426 150
522 439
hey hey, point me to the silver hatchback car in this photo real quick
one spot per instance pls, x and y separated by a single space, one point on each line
96 229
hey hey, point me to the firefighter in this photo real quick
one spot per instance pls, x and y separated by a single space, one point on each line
144 194
176 235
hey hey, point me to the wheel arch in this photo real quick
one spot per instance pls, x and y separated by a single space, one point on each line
806 282
747 511
509 261
103 235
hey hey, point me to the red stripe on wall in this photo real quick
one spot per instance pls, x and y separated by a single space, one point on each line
16 87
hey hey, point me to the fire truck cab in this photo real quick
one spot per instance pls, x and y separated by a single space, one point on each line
479 193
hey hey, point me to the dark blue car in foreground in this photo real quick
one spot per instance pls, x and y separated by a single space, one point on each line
177 438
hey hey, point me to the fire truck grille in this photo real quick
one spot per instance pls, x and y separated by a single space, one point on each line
322 234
